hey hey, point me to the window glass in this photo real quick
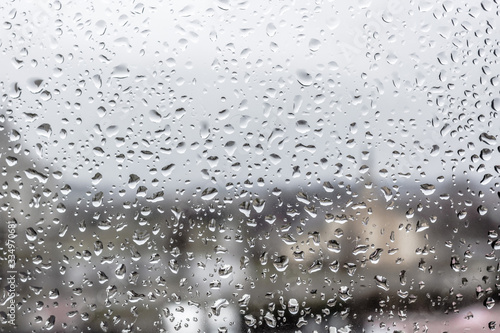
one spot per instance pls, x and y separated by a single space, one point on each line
249 166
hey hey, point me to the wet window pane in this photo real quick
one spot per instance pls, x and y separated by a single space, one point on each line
249 166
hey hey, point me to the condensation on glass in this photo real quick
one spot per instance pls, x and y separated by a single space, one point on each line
249 166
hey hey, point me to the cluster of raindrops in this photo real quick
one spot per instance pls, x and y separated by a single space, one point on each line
249 166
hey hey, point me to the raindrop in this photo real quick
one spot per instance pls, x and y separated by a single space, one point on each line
31 234
345 293
302 126
98 247
97 199
427 189
154 116
375 256
333 23
133 180
316 266
140 237
45 95
225 271
120 72
54 293
209 193
387 193
258 205
486 154
167 170
179 113
281 263
271 30
333 246
244 300
250 320
120 271
293 306
288 239
334 266
112 130
495 104
102 277
304 78
173 265
381 282
134 297
50 323
96 79
314 44
44 130
270 320
482 210
486 179
35 85
488 139
100 27
219 305
34 174
392 58
421 226
489 303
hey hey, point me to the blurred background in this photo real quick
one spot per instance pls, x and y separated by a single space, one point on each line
250 166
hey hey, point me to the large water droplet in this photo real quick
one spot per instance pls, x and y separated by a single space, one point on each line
31 234
314 44
427 189
304 78
281 263
35 85
219 305
44 130
209 193
381 282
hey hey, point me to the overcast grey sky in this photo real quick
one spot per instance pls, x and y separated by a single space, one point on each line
235 90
